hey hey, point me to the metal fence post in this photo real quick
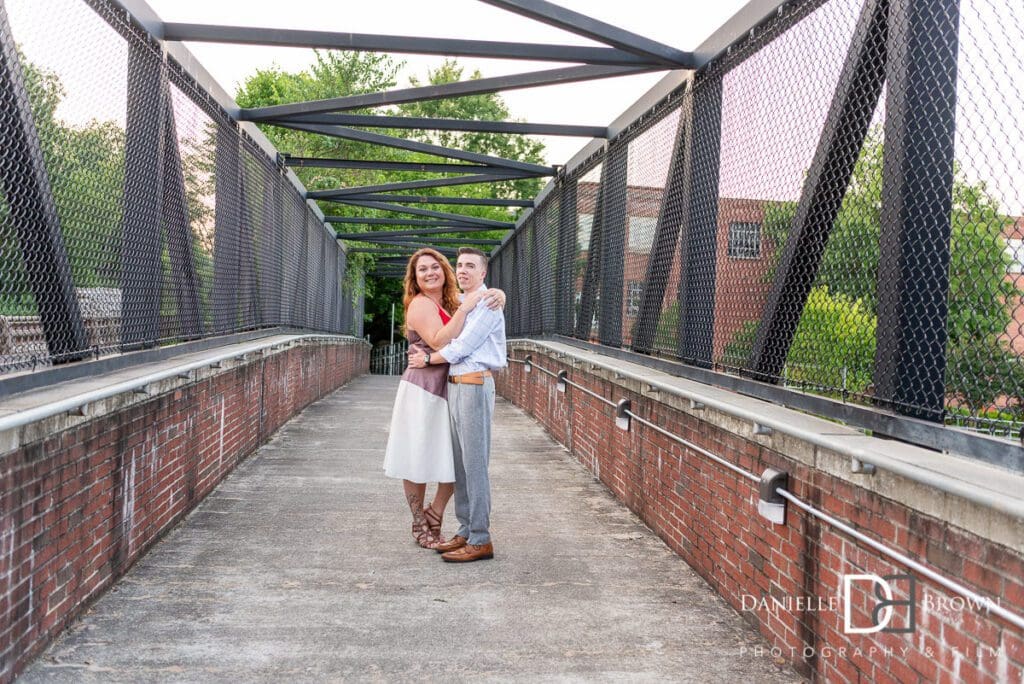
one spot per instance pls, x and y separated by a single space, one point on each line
566 245
33 212
227 222
141 276
854 102
917 187
614 224
698 255
666 239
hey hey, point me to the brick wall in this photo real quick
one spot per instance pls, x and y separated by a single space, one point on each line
80 507
707 515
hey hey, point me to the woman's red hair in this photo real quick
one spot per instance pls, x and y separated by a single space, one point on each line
449 292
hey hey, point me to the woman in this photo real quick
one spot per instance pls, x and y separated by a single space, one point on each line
420 443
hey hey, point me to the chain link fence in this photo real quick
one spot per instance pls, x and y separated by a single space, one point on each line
835 207
134 212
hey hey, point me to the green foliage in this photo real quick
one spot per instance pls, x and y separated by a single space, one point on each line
338 74
980 365
833 348
85 166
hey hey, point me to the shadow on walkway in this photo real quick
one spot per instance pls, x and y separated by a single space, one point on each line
301 566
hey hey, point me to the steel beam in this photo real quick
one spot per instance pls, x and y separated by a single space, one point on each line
180 238
448 241
666 238
227 218
592 272
565 258
143 199
520 314
424 231
470 125
614 224
699 233
917 199
454 226
476 86
846 126
364 164
271 266
407 185
583 25
382 238
248 296
32 212
396 251
523 169
328 40
442 199
459 218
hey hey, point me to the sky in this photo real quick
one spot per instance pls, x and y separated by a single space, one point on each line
683 25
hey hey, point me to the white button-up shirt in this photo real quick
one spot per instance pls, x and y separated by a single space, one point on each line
480 345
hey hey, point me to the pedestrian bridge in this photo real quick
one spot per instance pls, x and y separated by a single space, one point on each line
149 536
762 418
300 566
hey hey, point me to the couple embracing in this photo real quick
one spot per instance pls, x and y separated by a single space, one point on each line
441 424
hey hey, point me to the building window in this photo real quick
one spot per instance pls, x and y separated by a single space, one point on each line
1015 250
584 224
745 240
641 233
634 293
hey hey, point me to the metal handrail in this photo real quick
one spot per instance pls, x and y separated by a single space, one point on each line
989 605
78 401
590 392
690 445
939 481
973 597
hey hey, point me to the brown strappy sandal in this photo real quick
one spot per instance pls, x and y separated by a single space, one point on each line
434 521
422 531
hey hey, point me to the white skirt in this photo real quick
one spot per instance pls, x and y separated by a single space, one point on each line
420 439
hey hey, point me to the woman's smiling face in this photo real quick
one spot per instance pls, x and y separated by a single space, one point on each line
429 274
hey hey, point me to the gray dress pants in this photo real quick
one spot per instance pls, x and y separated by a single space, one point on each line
471 408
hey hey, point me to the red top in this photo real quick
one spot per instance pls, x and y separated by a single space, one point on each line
444 315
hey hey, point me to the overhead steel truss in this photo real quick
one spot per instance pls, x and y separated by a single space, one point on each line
622 53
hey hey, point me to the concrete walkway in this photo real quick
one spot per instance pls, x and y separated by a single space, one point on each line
300 567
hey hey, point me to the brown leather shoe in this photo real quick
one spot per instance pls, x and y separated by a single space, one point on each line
469 553
452 544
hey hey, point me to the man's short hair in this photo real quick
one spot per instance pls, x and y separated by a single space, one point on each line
475 251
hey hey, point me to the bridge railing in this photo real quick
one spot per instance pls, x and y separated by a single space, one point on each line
135 212
828 214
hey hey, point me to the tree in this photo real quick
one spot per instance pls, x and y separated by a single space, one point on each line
980 367
337 74
85 166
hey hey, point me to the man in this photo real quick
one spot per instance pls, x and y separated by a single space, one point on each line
474 355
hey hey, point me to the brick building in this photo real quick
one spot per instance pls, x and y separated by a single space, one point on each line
743 259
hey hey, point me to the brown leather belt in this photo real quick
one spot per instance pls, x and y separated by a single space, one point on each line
475 378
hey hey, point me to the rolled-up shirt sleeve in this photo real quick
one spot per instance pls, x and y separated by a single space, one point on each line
478 328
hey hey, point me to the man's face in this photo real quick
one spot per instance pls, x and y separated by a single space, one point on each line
470 272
